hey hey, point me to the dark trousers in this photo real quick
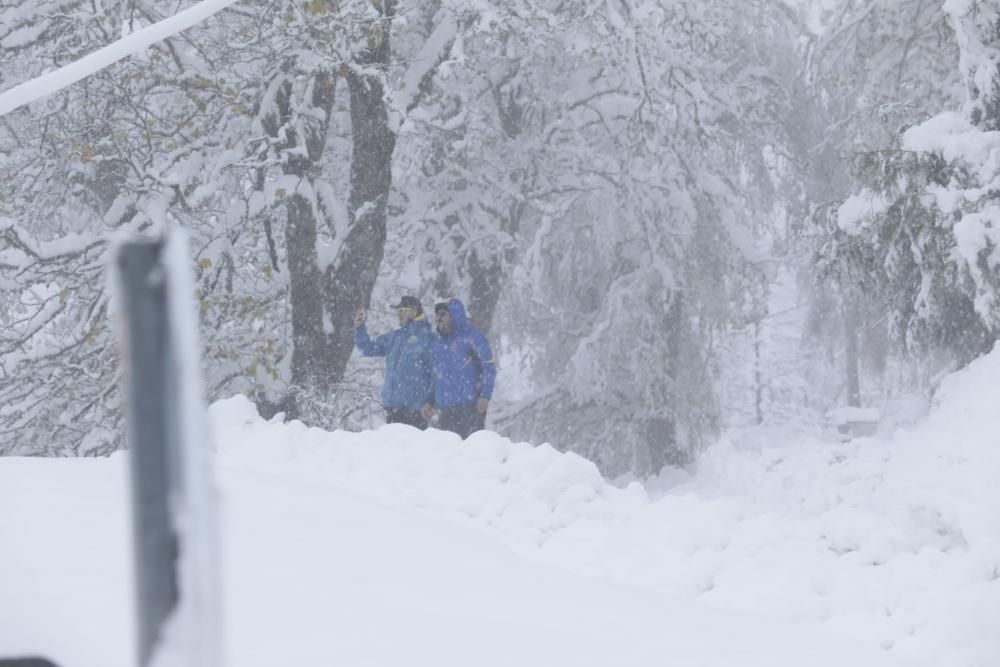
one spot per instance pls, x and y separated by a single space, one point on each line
405 416
461 419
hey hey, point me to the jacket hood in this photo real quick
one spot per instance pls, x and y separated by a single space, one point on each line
458 319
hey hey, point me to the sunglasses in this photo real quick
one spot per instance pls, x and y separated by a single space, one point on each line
405 309
441 312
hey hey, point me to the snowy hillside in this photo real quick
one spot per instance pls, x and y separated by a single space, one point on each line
395 546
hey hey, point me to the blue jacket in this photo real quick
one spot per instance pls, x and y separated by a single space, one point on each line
464 369
408 373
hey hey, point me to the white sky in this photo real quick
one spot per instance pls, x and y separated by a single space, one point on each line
400 547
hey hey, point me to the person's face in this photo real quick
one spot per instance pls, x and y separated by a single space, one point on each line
406 315
443 318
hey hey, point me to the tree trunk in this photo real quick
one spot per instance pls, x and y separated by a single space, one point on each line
758 378
484 292
310 367
851 357
486 267
349 283
661 429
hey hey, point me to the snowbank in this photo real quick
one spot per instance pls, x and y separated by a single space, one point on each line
889 545
524 493
890 542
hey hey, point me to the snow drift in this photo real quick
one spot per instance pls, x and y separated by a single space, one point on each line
336 542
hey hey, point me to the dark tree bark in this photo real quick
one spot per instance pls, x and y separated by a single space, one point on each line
851 357
310 367
484 292
350 281
311 370
487 266
758 376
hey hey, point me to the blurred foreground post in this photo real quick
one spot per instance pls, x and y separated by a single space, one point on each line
172 500
151 405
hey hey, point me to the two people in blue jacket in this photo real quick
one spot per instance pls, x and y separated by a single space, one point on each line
452 373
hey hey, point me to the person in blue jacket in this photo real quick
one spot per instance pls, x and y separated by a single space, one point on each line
464 371
408 366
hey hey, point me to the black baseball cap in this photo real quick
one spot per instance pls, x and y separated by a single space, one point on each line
410 302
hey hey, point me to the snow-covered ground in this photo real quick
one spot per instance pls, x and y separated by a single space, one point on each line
401 547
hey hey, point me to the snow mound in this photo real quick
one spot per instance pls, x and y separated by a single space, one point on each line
892 542
523 492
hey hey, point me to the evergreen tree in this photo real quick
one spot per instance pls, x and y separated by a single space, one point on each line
919 239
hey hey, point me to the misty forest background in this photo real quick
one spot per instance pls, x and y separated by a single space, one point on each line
637 199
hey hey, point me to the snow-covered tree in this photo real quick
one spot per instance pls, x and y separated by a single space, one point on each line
222 130
629 256
876 68
616 189
920 237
